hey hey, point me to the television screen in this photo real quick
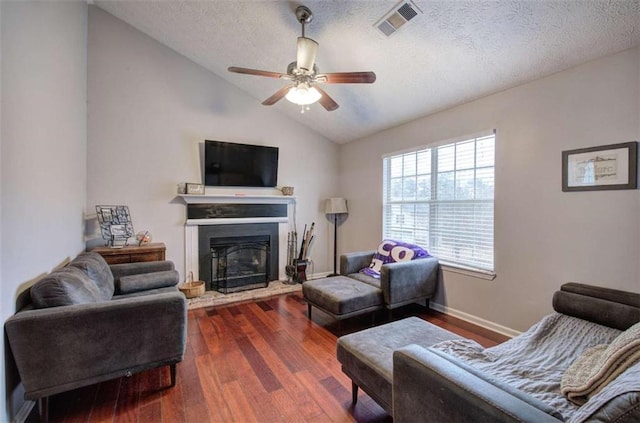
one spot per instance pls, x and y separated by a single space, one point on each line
229 164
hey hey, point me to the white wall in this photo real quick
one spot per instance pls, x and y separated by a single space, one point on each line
543 237
150 110
3 394
43 150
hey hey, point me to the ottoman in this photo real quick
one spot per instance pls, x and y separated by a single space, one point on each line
367 356
341 297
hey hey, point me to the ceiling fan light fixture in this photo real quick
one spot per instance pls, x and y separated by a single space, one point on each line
302 94
303 74
307 50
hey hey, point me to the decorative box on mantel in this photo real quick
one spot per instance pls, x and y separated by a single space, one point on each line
243 212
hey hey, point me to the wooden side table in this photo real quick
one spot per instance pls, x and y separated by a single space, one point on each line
133 253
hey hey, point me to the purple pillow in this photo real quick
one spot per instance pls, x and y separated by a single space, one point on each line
390 251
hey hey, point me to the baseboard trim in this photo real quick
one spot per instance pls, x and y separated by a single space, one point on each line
318 275
503 330
24 411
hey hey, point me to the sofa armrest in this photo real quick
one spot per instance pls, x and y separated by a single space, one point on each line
127 269
436 389
353 262
407 281
61 348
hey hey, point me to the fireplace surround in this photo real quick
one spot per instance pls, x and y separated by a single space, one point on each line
235 257
216 216
240 263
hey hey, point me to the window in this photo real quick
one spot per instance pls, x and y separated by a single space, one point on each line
442 199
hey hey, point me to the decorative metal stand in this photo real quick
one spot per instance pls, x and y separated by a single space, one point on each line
115 225
300 274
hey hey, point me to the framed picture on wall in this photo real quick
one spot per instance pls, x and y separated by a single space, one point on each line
606 167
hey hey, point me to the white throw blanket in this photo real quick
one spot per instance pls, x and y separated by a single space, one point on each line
598 366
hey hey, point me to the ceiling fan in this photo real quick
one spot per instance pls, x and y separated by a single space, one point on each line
304 76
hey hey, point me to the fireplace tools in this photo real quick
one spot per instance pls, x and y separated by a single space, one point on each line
296 268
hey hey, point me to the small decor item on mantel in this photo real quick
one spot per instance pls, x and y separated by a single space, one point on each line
191 288
143 238
195 189
287 190
115 225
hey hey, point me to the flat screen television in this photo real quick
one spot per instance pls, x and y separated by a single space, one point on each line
228 164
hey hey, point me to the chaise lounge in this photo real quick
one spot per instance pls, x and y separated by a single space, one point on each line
354 292
418 372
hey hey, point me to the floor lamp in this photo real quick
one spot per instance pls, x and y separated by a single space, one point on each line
335 206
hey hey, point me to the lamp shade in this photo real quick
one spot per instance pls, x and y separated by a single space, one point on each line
303 94
335 206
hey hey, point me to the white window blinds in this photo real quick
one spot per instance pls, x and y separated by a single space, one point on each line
442 199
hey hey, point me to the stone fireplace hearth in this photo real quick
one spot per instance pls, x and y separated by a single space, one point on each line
217 299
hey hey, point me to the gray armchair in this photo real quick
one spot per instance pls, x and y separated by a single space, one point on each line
89 322
401 283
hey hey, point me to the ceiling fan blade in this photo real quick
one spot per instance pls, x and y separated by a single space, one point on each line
325 101
307 50
277 96
256 72
347 78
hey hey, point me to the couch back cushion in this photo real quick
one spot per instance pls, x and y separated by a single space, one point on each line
97 269
66 286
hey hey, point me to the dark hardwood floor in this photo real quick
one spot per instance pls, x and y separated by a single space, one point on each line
252 362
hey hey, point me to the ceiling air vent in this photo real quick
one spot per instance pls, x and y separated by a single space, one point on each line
402 13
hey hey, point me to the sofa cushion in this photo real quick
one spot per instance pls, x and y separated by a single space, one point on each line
146 281
97 269
341 295
67 286
369 280
390 251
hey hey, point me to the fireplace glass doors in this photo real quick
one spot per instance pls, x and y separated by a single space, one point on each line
239 263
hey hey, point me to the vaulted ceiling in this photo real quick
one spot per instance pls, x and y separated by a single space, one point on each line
452 52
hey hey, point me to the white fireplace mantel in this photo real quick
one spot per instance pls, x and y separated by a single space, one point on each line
237 198
191 225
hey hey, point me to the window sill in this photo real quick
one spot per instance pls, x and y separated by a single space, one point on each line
468 271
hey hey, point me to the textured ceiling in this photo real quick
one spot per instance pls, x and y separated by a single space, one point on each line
453 52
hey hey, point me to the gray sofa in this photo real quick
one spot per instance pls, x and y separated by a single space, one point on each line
89 322
421 373
401 283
